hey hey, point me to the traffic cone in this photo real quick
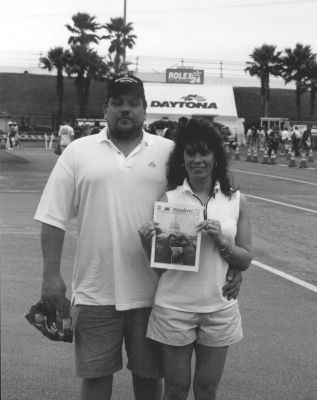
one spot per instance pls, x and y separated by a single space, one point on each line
311 156
303 163
248 155
292 162
265 158
255 155
273 157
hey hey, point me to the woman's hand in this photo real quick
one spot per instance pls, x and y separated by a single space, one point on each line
213 228
146 233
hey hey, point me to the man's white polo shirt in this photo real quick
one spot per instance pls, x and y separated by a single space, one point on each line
111 196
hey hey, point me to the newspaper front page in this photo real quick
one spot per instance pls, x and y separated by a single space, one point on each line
176 244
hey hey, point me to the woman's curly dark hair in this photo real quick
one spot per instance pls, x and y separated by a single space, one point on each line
196 133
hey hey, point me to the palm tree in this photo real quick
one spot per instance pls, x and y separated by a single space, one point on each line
57 58
312 76
85 63
264 64
121 37
84 29
294 67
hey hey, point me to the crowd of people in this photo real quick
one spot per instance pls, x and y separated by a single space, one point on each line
285 140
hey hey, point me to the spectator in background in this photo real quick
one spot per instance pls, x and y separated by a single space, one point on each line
168 130
66 135
307 140
16 130
181 124
254 137
262 138
296 141
96 128
249 137
284 140
273 140
11 135
150 129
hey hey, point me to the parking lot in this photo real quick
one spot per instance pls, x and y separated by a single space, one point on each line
277 358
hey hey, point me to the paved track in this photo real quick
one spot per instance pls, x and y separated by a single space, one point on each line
277 358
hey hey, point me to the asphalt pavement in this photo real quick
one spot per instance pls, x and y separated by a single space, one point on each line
276 360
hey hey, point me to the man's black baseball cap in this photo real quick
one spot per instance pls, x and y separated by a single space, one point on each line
125 84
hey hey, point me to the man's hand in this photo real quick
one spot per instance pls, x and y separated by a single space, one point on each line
146 233
232 287
53 291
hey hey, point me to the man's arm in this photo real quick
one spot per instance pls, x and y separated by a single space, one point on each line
233 283
53 287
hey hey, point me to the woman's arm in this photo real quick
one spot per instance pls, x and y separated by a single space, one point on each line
240 256
239 253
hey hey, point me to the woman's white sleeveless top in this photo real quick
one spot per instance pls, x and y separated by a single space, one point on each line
201 291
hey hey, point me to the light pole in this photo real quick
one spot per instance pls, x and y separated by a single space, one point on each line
124 25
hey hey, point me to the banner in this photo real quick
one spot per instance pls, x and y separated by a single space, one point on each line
187 100
190 76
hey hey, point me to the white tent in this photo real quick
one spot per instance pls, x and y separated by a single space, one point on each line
176 100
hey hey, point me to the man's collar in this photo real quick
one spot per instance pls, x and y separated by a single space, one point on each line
102 136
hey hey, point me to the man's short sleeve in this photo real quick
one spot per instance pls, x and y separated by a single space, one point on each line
57 204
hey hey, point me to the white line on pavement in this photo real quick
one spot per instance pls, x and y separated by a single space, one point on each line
291 278
283 204
275 176
19 191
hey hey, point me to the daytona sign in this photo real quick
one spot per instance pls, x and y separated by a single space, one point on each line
177 99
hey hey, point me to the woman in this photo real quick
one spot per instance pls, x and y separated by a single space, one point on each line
190 311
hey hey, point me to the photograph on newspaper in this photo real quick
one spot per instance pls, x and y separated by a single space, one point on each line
176 244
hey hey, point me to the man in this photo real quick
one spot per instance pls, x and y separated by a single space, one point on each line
66 135
307 140
296 138
273 141
284 139
11 135
109 182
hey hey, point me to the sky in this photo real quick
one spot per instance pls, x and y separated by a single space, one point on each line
170 33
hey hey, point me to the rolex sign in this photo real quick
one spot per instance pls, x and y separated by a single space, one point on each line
188 76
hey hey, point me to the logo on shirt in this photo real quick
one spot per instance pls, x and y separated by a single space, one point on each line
152 164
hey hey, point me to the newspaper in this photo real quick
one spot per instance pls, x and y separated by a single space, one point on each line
176 244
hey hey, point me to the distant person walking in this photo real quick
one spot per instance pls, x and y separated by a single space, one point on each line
284 140
296 140
307 140
66 135
273 140
11 135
